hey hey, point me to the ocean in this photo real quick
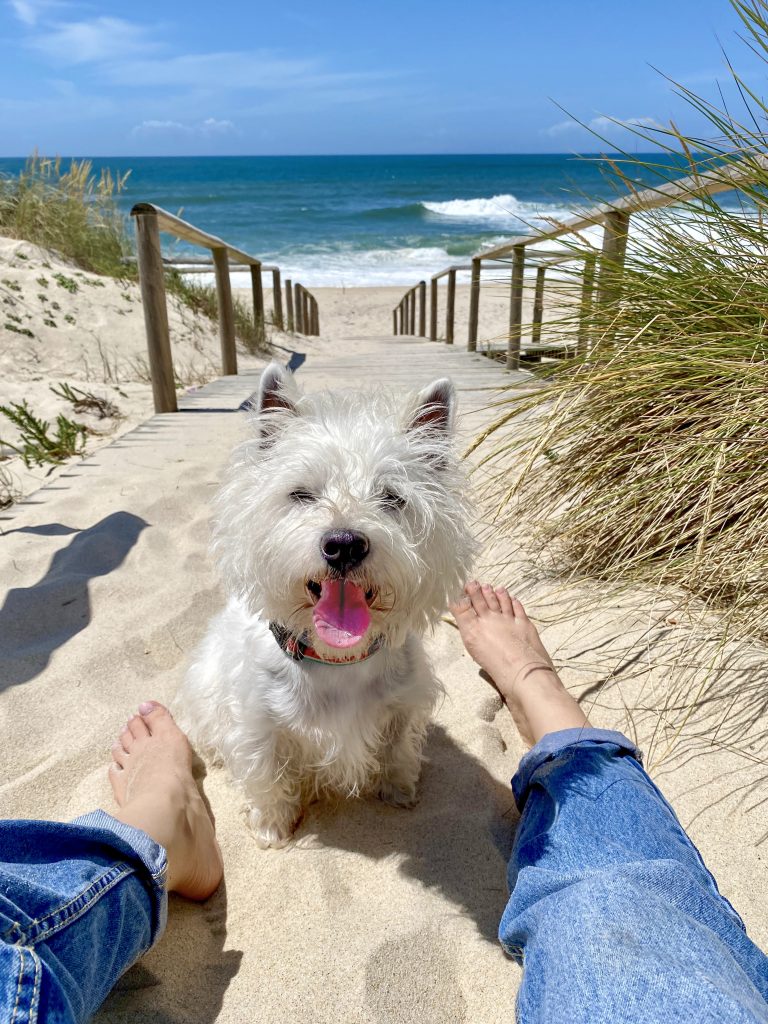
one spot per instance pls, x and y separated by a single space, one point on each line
363 220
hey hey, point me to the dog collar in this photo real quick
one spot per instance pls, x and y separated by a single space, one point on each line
299 650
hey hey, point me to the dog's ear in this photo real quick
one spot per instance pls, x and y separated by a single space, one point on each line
435 407
277 396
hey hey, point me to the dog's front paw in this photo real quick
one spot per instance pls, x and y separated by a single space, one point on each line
269 831
398 794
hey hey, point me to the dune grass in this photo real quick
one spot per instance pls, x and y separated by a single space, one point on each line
646 460
74 212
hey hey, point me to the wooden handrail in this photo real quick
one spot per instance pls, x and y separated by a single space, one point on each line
601 284
149 221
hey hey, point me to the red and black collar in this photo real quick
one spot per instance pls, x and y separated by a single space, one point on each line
297 648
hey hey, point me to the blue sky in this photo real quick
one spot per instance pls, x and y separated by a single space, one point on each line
405 76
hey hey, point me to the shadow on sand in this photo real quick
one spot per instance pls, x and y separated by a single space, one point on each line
35 621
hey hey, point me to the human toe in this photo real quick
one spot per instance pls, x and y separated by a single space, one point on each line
156 717
137 727
491 598
506 603
477 598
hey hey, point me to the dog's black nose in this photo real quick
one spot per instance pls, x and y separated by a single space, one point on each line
344 549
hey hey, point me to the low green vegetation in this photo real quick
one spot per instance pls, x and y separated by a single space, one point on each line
646 460
38 443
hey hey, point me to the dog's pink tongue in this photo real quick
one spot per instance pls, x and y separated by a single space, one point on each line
341 615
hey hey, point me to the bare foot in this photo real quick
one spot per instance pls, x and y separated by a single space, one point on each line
502 639
151 778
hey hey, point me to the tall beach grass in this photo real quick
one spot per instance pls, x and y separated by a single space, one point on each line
74 212
646 461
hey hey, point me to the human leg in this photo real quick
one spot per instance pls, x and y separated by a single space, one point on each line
612 911
80 902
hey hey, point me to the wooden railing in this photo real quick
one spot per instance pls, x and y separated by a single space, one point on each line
601 281
150 220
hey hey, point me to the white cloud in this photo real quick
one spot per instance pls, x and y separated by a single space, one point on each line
209 127
601 124
98 40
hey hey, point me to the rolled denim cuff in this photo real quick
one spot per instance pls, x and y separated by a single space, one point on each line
554 743
135 845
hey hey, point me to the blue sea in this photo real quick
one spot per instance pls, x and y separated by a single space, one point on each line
363 220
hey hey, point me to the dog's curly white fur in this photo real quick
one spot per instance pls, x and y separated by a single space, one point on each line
385 472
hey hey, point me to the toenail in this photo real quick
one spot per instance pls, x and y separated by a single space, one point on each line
147 707
124 730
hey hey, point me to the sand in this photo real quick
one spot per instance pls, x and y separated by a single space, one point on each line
372 915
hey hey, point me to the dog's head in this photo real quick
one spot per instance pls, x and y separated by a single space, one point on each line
343 518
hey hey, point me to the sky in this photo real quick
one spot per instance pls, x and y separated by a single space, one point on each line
404 76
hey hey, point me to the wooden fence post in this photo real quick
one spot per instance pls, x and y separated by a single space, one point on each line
474 305
315 317
433 310
587 294
394 321
538 306
422 308
298 318
412 312
401 314
277 300
516 308
258 303
614 250
226 312
305 318
450 306
289 305
152 282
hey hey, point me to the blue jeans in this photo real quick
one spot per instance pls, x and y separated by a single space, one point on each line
79 903
612 913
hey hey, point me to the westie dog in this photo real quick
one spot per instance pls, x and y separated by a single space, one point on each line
341 532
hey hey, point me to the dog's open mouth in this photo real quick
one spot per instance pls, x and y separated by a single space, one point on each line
341 612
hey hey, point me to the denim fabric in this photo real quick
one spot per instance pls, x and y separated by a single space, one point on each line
79 903
612 912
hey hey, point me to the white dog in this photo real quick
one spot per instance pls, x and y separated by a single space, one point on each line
341 533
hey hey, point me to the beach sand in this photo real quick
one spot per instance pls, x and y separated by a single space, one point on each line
372 914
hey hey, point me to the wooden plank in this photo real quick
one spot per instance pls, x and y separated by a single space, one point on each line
450 306
258 304
289 305
152 283
277 300
298 312
433 310
189 233
422 308
315 316
305 311
516 308
538 306
394 321
474 306
612 260
412 311
226 313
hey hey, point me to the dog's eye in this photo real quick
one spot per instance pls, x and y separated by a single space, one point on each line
302 496
391 500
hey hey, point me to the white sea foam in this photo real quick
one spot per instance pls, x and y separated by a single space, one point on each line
502 210
346 267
